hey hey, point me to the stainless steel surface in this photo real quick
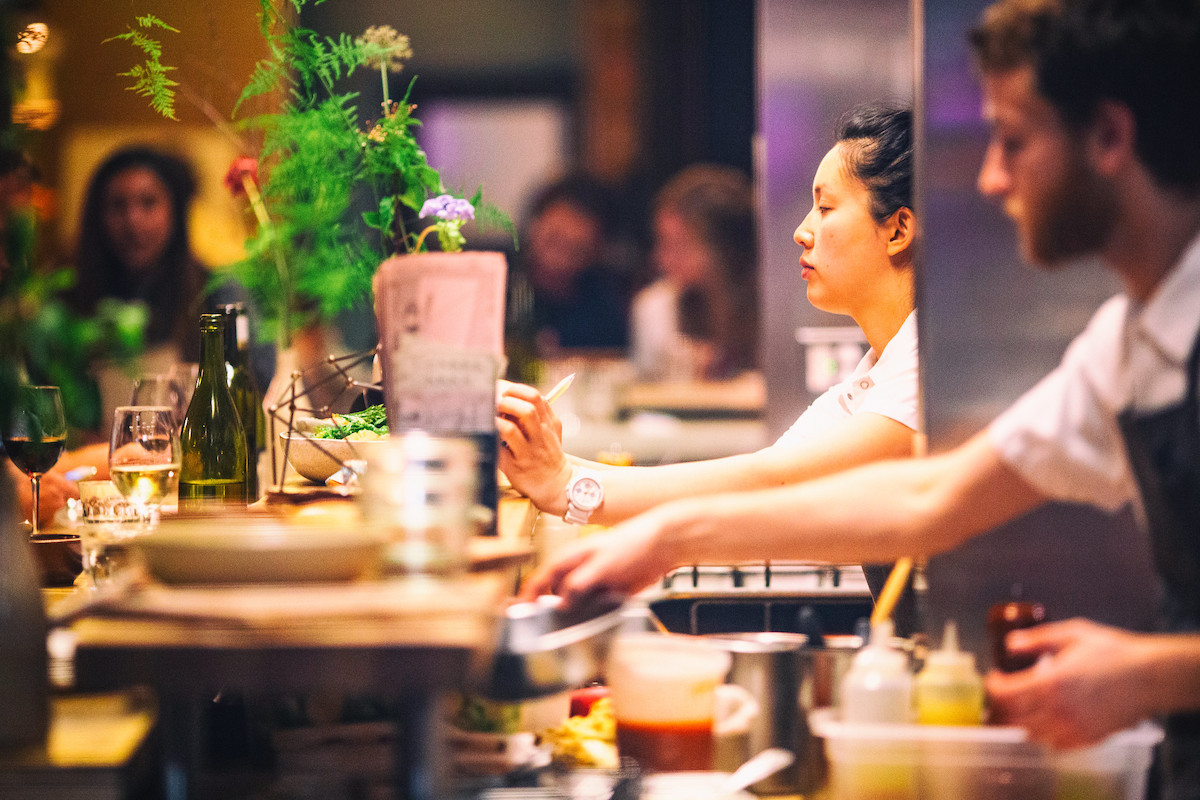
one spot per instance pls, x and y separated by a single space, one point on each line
816 60
769 667
990 326
795 598
544 648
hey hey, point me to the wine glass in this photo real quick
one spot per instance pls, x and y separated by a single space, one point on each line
161 390
34 435
143 457
185 375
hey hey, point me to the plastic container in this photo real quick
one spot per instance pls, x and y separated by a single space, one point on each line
878 685
948 689
947 762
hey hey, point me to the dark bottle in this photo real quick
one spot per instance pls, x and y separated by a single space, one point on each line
212 441
246 395
1005 617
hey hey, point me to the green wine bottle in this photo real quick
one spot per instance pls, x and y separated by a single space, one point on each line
245 392
212 441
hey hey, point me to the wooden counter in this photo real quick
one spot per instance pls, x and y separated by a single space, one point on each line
405 640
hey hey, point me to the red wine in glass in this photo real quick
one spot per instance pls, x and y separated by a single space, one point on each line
34 435
34 457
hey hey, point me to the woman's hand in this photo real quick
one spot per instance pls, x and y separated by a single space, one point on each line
531 454
622 562
1091 681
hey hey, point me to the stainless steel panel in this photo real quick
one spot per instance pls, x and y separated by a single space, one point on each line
816 60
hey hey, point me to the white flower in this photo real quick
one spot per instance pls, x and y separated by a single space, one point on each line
394 46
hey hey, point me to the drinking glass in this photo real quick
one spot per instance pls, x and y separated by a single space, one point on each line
185 375
143 457
109 522
34 435
160 390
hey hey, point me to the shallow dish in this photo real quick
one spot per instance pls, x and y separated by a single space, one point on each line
232 550
317 459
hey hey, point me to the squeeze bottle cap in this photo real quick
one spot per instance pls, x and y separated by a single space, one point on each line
949 657
879 653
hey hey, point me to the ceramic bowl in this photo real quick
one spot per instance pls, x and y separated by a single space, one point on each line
317 459
236 550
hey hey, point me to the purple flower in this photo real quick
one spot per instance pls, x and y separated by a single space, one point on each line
447 207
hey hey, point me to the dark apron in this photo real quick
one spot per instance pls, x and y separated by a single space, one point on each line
1164 452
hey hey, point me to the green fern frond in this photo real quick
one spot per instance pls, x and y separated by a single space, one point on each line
150 78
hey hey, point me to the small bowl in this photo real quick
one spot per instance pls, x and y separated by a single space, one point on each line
317 459
544 649
248 550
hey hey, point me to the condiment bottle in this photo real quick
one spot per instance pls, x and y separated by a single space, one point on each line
1005 617
212 440
949 690
878 686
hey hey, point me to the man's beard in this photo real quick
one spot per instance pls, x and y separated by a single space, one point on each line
1073 218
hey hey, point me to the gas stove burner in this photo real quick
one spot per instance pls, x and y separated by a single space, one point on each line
766 578
748 598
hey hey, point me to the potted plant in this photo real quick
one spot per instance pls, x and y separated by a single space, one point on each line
314 252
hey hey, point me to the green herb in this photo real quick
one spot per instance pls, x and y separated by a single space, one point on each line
312 256
487 716
150 79
372 419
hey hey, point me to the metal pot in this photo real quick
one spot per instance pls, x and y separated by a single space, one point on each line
788 677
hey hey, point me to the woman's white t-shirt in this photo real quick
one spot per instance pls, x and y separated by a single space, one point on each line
885 383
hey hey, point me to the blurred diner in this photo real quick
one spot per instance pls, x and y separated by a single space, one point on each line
698 319
567 290
134 244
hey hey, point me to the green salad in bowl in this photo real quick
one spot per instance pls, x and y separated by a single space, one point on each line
370 423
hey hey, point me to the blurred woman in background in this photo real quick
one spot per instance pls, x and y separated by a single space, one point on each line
699 320
134 244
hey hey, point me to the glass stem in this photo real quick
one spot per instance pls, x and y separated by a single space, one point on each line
36 481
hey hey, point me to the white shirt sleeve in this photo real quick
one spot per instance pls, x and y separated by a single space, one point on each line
1062 436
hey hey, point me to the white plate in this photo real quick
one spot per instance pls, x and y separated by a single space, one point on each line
317 459
234 550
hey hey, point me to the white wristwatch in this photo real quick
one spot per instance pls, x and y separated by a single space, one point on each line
585 493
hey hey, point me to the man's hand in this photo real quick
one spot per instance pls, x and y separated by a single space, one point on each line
622 562
1090 681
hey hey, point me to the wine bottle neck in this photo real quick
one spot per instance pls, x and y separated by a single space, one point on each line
212 348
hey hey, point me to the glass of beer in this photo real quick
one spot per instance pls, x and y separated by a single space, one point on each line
663 692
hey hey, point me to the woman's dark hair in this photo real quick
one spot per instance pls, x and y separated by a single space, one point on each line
878 150
173 286
582 191
1144 54
716 202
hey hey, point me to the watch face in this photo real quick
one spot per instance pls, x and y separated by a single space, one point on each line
586 493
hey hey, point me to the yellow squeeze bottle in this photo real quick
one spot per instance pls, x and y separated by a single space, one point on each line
949 690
